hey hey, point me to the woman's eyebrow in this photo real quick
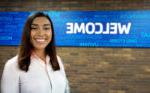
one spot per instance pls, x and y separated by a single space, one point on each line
42 25
34 24
47 25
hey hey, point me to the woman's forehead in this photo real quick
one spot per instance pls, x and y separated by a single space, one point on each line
41 21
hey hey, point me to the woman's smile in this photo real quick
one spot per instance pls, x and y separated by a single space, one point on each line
40 40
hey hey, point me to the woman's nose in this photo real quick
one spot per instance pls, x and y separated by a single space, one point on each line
40 31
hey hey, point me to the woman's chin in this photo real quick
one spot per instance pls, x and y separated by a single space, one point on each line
40 46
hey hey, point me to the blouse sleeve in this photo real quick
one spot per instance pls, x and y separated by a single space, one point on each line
10 78
67 89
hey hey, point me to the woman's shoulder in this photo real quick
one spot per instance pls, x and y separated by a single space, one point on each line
58 58
12 62
10 70
60 62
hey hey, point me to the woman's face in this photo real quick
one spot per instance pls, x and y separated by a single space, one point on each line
41 33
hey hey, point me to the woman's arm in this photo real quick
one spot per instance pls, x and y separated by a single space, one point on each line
67 89
9 81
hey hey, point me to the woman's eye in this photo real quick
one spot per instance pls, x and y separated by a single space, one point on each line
46 28
34 28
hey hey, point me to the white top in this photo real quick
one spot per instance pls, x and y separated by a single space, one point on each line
40 77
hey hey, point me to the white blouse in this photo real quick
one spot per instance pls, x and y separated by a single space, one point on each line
40 77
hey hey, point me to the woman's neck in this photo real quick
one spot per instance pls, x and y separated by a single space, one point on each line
41 54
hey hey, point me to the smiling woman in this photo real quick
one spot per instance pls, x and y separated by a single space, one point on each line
36 68
41 33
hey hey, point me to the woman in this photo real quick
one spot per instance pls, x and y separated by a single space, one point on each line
36 68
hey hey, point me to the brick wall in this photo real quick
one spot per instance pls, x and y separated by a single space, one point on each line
93 70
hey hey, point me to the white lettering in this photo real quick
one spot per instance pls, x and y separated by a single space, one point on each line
70 28
113 28
100 25
98 28
92 28
80 29
107 29
123 28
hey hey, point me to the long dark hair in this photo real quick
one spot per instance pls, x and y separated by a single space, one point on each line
26 46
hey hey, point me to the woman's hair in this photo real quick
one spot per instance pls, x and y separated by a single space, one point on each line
26 46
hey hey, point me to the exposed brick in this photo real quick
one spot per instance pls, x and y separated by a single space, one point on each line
93 70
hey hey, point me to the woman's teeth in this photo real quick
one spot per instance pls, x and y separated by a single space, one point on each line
40 40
